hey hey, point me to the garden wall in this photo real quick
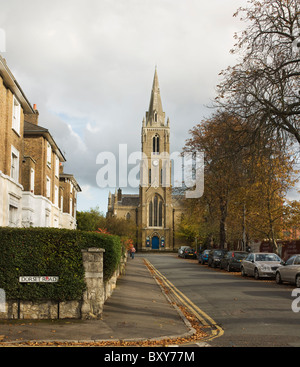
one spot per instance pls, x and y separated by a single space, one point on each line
85 281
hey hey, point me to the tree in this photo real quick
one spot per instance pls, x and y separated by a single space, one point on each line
222 165
292 218
245 186
198 224
263 88
95 221
274 177
90 220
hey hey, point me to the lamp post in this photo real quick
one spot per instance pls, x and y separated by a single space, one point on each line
244 227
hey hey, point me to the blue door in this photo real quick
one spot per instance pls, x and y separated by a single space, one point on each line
155 243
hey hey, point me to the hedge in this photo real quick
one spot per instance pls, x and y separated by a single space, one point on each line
53 252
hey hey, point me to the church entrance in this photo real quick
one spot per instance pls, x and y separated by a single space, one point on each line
155 243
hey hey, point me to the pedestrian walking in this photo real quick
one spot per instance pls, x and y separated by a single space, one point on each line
132 251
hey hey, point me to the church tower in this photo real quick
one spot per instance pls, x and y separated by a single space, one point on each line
155 206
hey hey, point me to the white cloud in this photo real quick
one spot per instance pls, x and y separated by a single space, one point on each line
89 67
92 129
86 192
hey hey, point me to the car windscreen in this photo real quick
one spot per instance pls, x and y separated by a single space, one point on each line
267 257
218 253
239 255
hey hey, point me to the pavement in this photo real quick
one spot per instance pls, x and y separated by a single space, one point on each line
138 313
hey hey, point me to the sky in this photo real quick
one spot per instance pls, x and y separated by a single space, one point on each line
88 65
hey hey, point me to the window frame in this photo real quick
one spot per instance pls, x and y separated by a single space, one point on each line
56 166
48 187
32 179
16 115
14 169
56 195
49 154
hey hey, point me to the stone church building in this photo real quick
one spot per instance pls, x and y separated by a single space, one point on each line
155 210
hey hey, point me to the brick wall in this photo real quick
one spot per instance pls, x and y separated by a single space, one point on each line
8 136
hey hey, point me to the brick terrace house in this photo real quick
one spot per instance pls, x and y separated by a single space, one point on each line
33 191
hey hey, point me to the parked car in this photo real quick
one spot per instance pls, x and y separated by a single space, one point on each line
203 256
290 271
232 260
180 250
190 253
261 264
214 257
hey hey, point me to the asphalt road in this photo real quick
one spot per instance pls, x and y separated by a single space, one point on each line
251 312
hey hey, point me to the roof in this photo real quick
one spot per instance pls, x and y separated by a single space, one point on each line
71 178
33 129
155 106
12 84
128 199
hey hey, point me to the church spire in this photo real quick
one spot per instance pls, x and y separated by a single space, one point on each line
155 115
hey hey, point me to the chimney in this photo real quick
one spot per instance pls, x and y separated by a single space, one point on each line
32 117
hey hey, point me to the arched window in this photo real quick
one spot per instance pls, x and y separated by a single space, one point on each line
156 212
128 216
150 214
156 144
160 214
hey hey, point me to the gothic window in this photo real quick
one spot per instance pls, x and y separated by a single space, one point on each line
156 212
160 214
156 144
150 214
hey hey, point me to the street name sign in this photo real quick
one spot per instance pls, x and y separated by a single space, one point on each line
38 279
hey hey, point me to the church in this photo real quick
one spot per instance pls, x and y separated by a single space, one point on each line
155 210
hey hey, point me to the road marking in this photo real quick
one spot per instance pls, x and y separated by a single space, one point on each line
205 319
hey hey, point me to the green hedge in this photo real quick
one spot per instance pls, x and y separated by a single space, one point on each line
51 251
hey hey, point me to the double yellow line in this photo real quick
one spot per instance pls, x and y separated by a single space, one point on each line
206 320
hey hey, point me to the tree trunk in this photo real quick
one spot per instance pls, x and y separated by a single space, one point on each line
223 210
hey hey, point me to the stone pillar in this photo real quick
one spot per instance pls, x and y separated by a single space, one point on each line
93 297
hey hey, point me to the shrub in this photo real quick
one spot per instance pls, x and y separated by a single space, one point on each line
51 251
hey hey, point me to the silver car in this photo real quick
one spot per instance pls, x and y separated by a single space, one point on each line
261 264
290 272
181 250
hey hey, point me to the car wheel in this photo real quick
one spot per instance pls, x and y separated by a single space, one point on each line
278 278
298 281
243 273
256 274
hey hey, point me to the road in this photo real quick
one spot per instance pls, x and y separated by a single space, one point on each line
251 312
